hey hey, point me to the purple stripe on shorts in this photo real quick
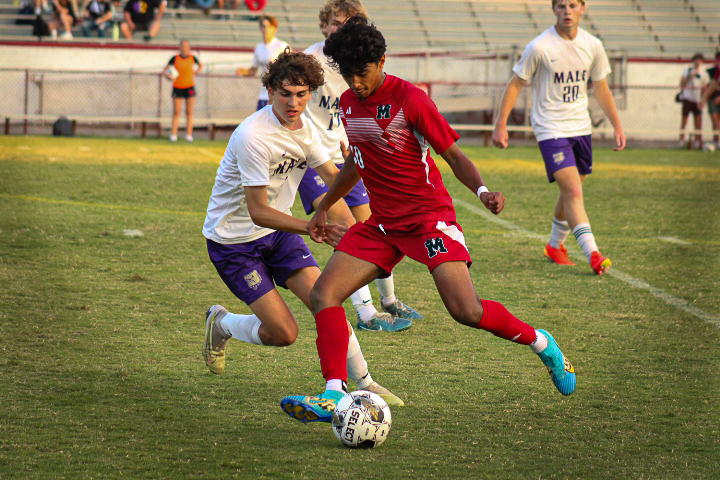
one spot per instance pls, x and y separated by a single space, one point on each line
559 153
250 270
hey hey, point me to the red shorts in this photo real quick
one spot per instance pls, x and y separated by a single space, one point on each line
430 243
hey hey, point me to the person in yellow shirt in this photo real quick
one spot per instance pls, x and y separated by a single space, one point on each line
181 69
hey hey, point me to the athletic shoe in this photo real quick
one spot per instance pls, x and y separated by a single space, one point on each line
385 394
560 369
188 138
312 408
66 36
557 255
213 349
599 263
384 322
173 138
399 309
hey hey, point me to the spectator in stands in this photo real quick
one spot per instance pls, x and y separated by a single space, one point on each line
185 66
255 5
692 83
97 16
63 16
141 16
265 53
42 6
712 98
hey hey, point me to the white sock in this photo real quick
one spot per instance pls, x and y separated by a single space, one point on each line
386 287
335 384
559 233
242 327
585 239
540 343
357 367
362 301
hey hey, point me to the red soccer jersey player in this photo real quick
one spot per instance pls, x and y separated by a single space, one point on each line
390 125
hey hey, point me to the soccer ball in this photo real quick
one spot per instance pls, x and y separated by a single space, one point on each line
709 147
361 420
173 73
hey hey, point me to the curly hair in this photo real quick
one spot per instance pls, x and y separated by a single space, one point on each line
293 68
355 45
346 8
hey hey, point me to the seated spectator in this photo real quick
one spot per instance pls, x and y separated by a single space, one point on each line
255 5
140 16
63 16
97 16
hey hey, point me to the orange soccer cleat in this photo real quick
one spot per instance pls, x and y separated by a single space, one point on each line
599 263
558 255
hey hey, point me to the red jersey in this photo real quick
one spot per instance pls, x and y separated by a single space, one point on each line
389 134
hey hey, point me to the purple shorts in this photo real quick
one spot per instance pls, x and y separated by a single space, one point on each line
250 270
559 153
312 186
261 104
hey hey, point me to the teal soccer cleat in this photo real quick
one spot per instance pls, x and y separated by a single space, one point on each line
312 408
399 309
384 322
560 369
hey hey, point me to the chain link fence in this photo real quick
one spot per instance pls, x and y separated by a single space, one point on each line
466 87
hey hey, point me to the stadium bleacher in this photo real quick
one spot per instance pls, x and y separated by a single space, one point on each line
636 28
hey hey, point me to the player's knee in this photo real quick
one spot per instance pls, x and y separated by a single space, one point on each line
317 298
467 314
284 335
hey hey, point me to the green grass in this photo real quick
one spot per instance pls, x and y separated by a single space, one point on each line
100 367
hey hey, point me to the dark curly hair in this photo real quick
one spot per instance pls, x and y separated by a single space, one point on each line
355 45
293 68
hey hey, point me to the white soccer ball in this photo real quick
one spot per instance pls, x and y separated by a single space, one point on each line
361 420
173 73
709 147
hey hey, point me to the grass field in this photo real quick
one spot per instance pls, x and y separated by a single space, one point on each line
105 280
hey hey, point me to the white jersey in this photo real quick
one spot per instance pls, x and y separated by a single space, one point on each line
260 152
264 54
695 83
324 108
559 70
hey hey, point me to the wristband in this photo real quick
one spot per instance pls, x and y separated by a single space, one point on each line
482 189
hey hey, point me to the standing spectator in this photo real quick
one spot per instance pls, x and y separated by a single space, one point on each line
186 65
140 16
692 83
713 100
97 16
265 53
63 16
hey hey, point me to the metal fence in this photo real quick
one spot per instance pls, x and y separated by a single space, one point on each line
467 89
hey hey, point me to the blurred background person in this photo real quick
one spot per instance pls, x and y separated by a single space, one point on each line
143 16
63 16
265 52
97 16
713 101
693 82
182 69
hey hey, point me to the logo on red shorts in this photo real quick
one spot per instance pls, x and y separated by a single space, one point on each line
434 246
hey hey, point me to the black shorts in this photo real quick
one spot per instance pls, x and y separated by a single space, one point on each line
142 27
690 107
183 92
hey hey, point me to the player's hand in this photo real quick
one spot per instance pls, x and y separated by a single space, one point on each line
242 71
500 136
316 226
619 139
333 233
346 152
493 201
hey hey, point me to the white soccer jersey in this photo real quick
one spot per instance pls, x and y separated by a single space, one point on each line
559 70
260 152
324 108
264 54
693 88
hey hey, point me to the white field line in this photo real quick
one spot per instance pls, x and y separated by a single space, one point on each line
657 292
207 152
674 240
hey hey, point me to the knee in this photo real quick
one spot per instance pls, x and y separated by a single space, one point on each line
316 298
467 314
572 192
284 335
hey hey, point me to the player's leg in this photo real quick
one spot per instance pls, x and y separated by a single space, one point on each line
300 283
715 116
177 109
189 108
454 285
683 124
697 118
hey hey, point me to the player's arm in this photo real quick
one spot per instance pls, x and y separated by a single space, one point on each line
714 85
199 65
605 98
512 91
340 186
466 171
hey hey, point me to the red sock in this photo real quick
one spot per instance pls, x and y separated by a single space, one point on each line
497 320
332 342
